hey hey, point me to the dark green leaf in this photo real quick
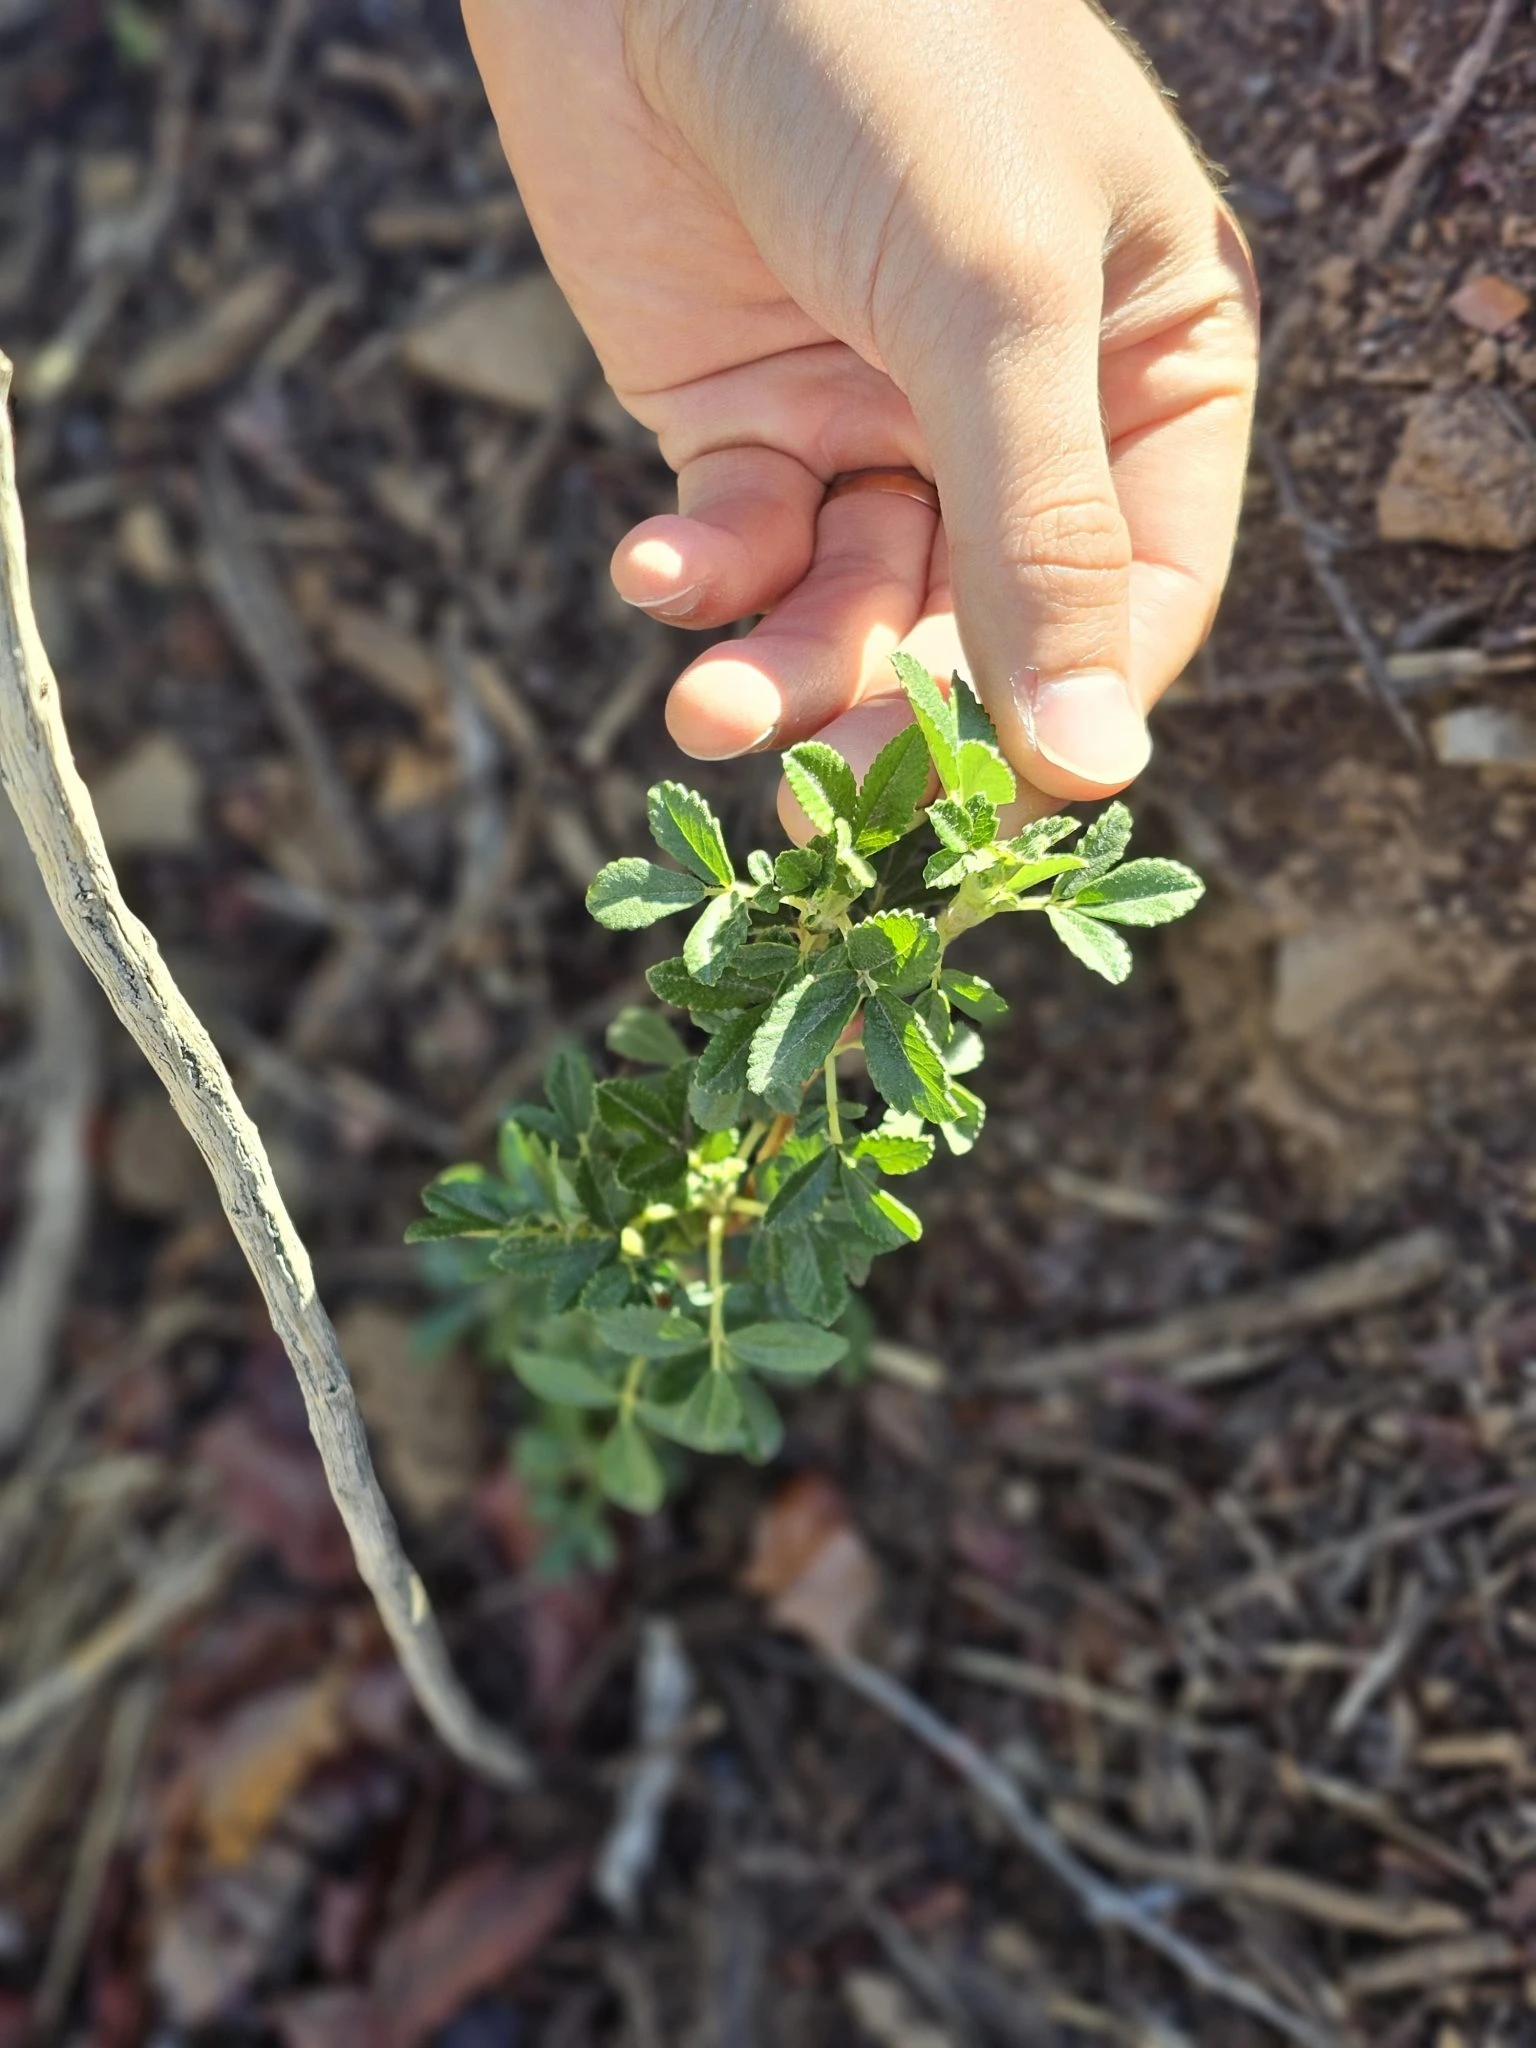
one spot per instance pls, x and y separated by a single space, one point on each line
600 1193
892 791
822 782
810 1272
672 983
969 992
644 1105
629 1472
645 1037
565 1381
710 1419
569 1086
1143 892
654 1169
683 825
903 1059
720 1074
787 1351
765 960
1091 942
935 715
578 1266
802 1196
874 1227
906 1222
800 1029
433 1229
470 1194
715 937
762 1427
629 894
897 949
650 1332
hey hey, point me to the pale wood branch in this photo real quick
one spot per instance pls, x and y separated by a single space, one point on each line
39 774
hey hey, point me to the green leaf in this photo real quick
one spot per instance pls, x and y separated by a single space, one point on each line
822 782
1091 942
811 1272
1108 836
905 1221
963 1129
977 997
683 825
802 1197
648 1106
650 1332
797 871
566 1381
984 772
892 791
671 982
1033 872
433 1229
760 867
897 949
710 1419
715 937
629 1471
936 716
895 1152
873 1225
1142 892
470 1195
903 1060
787 1351
765 960
762 1427
569 1086
630 894
654 1170
645 1037
800 1029
720 1073
1040 837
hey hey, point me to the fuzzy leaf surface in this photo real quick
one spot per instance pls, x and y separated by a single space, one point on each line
1143 892
787 1351
822 782
892 791
936 717
1091 942
800 1029
629 894
683 825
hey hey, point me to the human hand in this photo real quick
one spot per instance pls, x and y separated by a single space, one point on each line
814 236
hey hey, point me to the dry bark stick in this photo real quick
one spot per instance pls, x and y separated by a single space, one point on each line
1470 69
1104 1903
1390 1272
57 815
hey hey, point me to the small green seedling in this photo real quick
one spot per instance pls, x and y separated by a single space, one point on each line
678 1240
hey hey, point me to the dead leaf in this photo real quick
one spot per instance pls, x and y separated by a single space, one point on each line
260 1758
423 1416
471 1934
211 347
209 1947
394 661
150 800
516 344
886 2014
812 1565
338 2017
412 777
276 1491
1489 303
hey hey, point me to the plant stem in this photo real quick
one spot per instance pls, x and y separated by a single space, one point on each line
717 1294
631 1390
834 1124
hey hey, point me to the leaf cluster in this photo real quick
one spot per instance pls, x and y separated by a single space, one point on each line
684 1234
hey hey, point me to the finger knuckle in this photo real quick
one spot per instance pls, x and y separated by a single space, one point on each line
1076 551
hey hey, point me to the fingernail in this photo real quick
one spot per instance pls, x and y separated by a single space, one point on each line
764 739
678 606
1088 723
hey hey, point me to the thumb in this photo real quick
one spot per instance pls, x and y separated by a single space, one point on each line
1040 553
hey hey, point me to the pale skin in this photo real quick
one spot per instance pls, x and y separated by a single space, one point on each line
966 236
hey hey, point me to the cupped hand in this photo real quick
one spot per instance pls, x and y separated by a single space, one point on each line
813 236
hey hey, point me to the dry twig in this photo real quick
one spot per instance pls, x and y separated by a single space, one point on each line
1390 1272
1468 74
1105 1904
60 823
64 1079
1319 550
